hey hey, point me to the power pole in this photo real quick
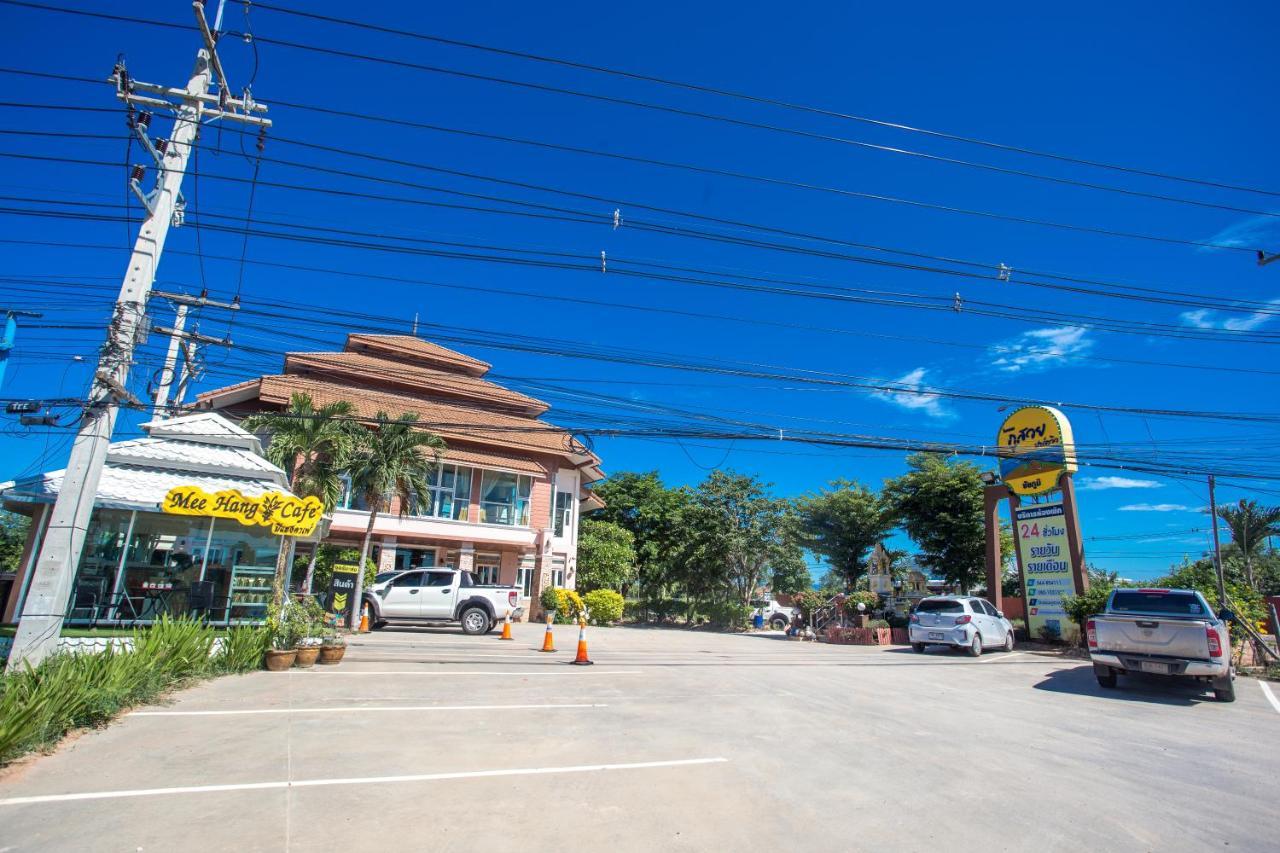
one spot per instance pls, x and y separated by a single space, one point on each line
1217 545
46 605
184 342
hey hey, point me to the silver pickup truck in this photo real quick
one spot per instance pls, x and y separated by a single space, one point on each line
1170 632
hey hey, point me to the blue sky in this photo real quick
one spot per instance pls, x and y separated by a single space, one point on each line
1173 87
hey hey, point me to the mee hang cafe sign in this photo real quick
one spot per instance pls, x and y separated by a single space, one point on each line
285 514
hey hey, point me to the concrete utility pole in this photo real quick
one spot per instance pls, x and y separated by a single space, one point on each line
184 342
46 605
1217 544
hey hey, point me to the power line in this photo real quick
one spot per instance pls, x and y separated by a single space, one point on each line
758 99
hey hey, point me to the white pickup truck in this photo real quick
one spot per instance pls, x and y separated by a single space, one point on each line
1165 632
774 614
439 596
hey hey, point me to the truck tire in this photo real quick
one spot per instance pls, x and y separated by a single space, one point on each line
1224 689
779 623
975 648
1106 675
918 647
475 621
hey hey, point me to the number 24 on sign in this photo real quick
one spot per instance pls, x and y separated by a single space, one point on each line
1030 531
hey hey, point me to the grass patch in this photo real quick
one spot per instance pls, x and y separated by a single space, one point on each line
39 705
12 630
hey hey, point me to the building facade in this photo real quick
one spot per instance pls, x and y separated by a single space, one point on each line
506 497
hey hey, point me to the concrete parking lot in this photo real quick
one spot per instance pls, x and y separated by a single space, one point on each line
431 740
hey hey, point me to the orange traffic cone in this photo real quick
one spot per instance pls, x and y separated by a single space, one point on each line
506 627
549 641
364 619
582 659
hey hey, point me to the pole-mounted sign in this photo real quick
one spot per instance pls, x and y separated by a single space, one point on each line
1036 448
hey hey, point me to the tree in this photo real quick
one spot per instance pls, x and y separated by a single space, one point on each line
842 523
13 538
939 503
788 572
640 503
606 555
394 458
1250 525
312 446
740 531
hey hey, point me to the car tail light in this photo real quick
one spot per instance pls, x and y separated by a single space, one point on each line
512 597
964 620
1091 632
1215 642
915 619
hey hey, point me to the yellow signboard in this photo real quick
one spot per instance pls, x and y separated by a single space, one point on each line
1047 566
1036 448
285 514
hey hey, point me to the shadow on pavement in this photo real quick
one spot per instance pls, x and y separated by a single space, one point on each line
1151 689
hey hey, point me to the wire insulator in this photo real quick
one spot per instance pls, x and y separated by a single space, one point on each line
138 173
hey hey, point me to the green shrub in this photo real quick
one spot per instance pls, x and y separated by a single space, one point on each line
899 620
808 601
603 606
878 623
38 705
729 614
853 599
242 649
1092 602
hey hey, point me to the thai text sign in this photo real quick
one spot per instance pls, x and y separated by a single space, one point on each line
1041 534
1037 448
342 587
285 514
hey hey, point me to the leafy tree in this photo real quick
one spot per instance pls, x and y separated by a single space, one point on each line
842 523
939 503
394 458
1200 575
1250 525
789 573
654 514
741 530
606 555
312 446
13 538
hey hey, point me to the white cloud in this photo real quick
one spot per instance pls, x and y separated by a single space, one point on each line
910 392
1203 318
1249 233
1097 484
1155 508
1041 349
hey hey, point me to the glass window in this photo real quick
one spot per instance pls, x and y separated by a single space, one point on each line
524 577
104 545
409 579
448 494
939 605
241 567
557 572
439 578
563 519
1156 601
504 498
487 570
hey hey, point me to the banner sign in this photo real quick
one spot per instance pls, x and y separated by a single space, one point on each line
1037 448
285 514
342 589
1041 534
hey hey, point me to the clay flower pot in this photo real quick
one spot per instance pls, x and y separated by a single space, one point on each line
278 660
332 654
306 656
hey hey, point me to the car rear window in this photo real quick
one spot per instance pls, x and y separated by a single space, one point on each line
944 606
1157 601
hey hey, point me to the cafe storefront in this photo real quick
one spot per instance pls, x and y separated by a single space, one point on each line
188 520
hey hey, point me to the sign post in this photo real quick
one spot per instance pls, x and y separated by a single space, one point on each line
342 588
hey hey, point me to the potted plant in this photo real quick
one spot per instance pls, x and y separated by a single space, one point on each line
332 648
282 650
309 617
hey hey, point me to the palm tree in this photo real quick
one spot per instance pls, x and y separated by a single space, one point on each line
391 462
312 445
1250 525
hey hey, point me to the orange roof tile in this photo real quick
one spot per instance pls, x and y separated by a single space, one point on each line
500 461
409 348
419 379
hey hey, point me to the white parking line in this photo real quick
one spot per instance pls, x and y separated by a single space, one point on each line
364 780
1002 657
573 674
1271 697
358 709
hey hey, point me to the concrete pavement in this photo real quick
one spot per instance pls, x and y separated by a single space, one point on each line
673 740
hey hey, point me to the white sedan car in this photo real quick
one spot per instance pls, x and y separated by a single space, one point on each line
960 621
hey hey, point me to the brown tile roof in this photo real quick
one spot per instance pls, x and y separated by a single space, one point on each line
416 378
485 459
446 419
409 348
